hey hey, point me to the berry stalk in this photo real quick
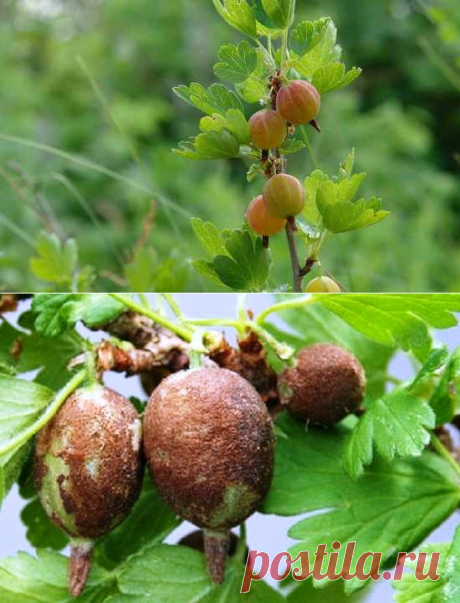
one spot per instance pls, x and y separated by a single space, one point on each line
216 548
81 556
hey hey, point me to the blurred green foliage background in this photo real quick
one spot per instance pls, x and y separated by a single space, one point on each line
402 116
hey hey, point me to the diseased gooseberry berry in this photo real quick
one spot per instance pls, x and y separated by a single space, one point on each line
209 444
322 284
261 221
88 470
284 196
299 102
326 385
268 129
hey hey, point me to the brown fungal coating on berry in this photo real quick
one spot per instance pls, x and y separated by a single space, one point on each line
88 462
326 385
209 443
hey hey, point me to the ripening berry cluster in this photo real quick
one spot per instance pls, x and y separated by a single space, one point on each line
283 196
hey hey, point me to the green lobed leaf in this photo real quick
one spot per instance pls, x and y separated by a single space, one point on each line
335 593
437 359
40 530
210 146
209 236
177 573
254 89
265 25
410 590
255 170
48 356
291 146
216 99
21 403
238 14
246 265
325 52
345 216
237 63
234 121
329 202
313 184
307 34
57 313
57 261
346 167
207 269
395 320
21 406
334 76
307 232
9 337
398 424
445 400
451 590
281 12
393 507
12 466
43 579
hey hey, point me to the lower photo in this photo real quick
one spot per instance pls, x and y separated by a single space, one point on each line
201 448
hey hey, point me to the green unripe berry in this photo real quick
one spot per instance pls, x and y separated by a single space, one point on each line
322 284
261 221
284 196
268 129
299 102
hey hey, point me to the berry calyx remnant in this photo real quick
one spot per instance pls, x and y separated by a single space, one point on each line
284 196
88 470
327 384
209 444
261 221
268 129
299 102
323 284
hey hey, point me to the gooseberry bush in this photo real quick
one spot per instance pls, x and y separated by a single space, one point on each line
287 69
301 415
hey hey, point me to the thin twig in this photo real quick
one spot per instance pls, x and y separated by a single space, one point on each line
442 451
294 257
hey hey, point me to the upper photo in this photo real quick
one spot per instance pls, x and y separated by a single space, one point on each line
230 146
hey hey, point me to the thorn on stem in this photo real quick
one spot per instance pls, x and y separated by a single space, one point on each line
292 224
315 125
